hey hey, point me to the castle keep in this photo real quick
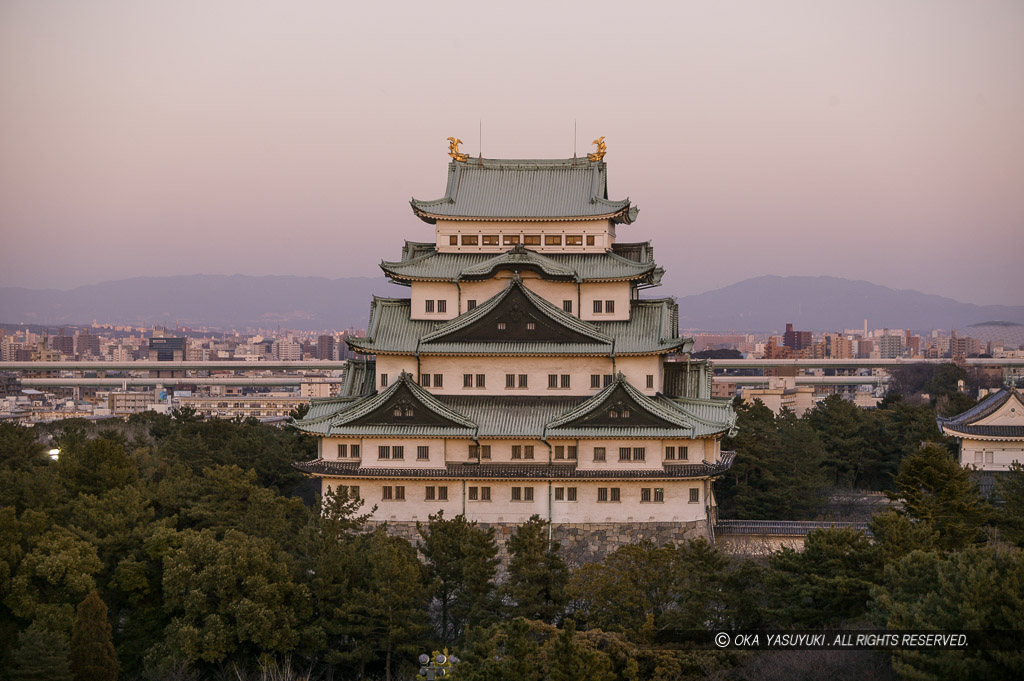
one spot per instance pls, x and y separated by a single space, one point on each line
523 373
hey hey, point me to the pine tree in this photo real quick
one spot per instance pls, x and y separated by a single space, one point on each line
462 559
1011 513
935 490
537 575
568 660
92 648
41 655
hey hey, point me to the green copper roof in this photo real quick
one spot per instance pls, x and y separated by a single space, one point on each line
422 262
527 417
497 189
652 329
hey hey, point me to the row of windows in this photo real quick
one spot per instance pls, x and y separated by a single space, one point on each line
394 452
609 307
527 239
524 452
655 495
555 381
440 306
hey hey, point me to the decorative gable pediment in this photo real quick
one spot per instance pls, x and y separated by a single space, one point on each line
517 315
620 409
403 404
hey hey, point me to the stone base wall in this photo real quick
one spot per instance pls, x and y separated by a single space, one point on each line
582 543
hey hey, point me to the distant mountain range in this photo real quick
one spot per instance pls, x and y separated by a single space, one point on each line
310 303
830 304
224 302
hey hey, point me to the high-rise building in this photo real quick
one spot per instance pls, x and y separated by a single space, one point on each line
798 340
325 347
890 345
523 375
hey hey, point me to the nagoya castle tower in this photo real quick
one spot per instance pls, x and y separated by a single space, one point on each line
523 374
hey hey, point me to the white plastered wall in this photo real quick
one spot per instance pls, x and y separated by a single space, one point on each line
676 506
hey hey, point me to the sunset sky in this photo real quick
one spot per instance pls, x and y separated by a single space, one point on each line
878 140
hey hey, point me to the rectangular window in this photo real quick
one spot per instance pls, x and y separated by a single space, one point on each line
383 452
386 493
552 239
608 380
342 451
988 456
590 239
645 494
570 493
559 451
599 454
573 239
527 494
602 494
684 453
425 380
428 493
353 491
422 453
528 452
659 495
453 240
694 495
438 380
479 380
531 240
510 239
531 326
442 494
559 494
624 454
467 380
502 326
470 305
609 306
485 494
552 380
472 493
978 457
639 453
399 493
613 494
430 305
490 239
565 380
480 451
670 453
595 381
567 306
597 307
469 240
571 451
522 380
354 451
517 451
383 380
398 452
442 306
517 494
510 380
650 381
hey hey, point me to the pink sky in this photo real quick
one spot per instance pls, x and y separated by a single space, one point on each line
870 140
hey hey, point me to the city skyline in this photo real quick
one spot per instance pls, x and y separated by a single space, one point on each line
870 141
